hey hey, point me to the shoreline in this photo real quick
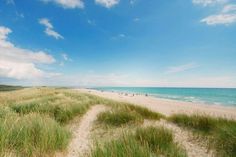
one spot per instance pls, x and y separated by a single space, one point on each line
166 106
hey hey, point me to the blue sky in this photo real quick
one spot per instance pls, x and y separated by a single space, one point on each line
181 43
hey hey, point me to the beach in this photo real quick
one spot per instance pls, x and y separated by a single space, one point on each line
166 106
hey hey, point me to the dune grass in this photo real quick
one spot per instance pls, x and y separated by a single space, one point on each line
119 118
126 146
62 109
144 112
204 124
4 88
221 133
123 114
31 135
145 142
28 112
160 141
32 119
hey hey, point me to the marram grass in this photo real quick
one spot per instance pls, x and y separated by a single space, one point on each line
32 120
145 142
31 134
123 114
119 118
221 133
160 141
26 113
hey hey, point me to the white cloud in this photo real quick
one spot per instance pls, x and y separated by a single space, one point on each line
49 28
65 57
229 8
181 68
114 79
46 23
21 63
91 22
107 3
12 2
53 33
136 19
208 2
122 35
200 81
132 2
67 4
4 31
119 36
21 15
224 19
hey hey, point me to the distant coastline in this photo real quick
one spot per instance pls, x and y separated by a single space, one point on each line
166 106
208 96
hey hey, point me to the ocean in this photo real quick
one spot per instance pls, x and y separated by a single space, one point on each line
210 96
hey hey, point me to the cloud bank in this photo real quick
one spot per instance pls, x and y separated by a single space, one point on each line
18 63
226 16
107 3
209 2
67 4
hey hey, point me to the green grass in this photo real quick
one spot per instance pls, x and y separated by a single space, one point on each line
31 134
4 88
62 111
119 118
144 112
32 119
123 114
126 146
204 124
221 133
145 142
65 114
160 141
224 139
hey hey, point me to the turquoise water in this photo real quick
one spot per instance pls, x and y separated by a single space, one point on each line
216 96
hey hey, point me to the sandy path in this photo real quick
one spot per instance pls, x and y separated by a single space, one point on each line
80 143
184 138
166 106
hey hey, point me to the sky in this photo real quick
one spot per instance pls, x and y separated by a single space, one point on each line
157 43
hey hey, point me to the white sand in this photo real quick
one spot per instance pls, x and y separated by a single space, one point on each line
166 106
80 143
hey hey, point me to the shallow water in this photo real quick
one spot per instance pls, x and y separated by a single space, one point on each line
215 96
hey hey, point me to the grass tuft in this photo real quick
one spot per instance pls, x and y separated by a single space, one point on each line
145 113
160 141
145 142
32 134
221 133
126 146
200 123
119 118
